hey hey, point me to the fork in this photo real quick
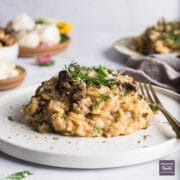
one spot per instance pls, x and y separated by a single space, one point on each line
148 91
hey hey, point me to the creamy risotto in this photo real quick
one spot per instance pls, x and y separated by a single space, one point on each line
164 37
89 102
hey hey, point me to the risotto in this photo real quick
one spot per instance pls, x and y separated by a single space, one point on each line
164 37
89 102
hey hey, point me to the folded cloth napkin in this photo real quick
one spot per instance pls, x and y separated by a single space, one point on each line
162 70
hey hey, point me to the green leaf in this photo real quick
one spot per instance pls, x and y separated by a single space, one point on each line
97 129
63 38
145 137
40 21
55 138
174 37
124 92
154 108
103 98
64 115
50 63
101 70
100 79
18 176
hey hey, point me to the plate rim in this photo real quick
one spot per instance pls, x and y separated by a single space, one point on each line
170 143
131 53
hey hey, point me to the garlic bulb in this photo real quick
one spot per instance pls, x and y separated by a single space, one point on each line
48 33
30 39
21 22
7 70
19 34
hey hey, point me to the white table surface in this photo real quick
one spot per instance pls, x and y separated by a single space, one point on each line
86 50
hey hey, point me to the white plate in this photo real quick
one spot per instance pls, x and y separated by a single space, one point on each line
21 141
123 46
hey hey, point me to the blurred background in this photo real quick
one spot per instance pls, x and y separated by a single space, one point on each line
96 26
89 16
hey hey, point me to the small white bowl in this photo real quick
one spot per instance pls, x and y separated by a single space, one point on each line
9 53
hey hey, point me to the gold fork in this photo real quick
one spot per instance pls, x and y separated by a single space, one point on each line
148 91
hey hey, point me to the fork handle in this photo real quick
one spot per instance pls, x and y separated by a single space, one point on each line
174 123
170 116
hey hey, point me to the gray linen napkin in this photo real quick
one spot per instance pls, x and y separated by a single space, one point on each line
162 70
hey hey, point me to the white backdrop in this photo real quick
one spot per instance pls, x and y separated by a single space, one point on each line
95 15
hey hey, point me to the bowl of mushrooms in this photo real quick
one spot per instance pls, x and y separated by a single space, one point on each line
9 49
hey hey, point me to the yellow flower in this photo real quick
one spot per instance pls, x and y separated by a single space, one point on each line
64 28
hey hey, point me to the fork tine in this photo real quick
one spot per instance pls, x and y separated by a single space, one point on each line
154 94
147 91
158 101
141 88
174 123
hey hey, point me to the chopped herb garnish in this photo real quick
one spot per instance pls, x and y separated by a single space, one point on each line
145 137
18 176
10 118
124 92
97 129
101 70
72 64
174 37
100 79
64 115
104 98
154 108
139 97
55 138
166 122
104 141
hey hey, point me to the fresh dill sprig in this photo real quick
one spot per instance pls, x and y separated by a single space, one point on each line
55 138
64 115
73 63
97 129
92 81
100 79
124 92
101 70
154 108
104 98
145 136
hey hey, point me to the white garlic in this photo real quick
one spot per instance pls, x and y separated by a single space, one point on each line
22 22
